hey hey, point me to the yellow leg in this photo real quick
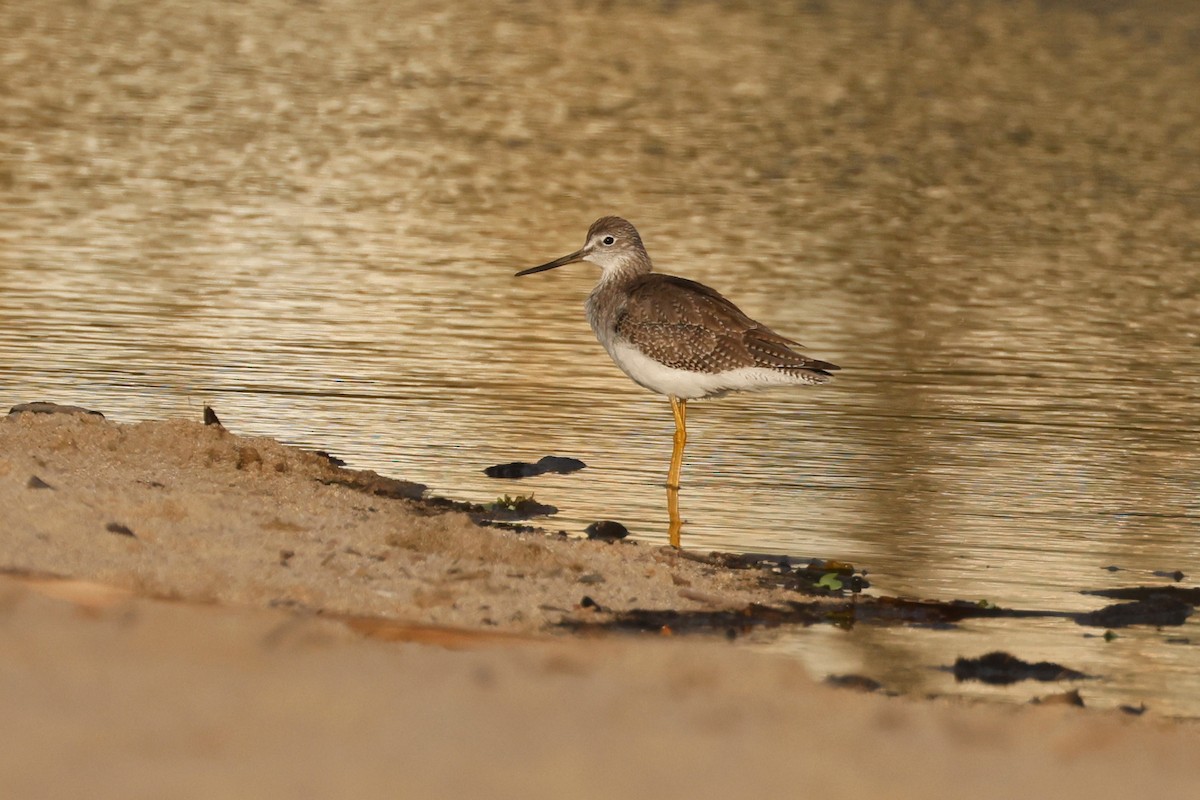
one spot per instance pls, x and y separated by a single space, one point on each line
679 410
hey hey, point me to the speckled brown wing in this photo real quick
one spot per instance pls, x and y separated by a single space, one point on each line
686 325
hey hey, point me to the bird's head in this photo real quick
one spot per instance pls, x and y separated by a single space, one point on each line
612 244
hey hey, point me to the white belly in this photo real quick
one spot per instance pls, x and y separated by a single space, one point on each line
692 385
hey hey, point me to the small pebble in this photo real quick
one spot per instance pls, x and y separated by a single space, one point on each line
121 530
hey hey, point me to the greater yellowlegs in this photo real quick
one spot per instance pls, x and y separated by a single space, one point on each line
677 337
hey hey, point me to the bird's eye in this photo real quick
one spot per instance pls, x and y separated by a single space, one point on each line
608 241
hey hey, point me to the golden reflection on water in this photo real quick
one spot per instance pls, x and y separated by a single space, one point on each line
989 216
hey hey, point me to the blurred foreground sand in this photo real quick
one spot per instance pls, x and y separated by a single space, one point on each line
193 659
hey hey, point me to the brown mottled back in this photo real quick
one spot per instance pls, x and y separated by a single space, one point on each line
686 325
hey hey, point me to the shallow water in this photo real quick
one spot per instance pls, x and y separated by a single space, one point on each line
988 216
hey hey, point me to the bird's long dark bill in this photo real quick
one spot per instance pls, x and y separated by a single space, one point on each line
558 262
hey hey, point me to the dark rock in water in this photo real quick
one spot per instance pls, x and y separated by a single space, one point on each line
560 464
1000 668
1175 575
35 482
523 469
513 470
42 407
1157 609
119 529
606 530
211 418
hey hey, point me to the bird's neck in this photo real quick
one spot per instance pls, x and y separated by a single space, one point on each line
606 301
627 270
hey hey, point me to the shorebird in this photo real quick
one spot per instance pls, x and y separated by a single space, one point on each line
677 337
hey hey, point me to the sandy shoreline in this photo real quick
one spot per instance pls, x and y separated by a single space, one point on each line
202 647
182 510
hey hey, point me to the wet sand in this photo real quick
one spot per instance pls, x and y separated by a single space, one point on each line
190 613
